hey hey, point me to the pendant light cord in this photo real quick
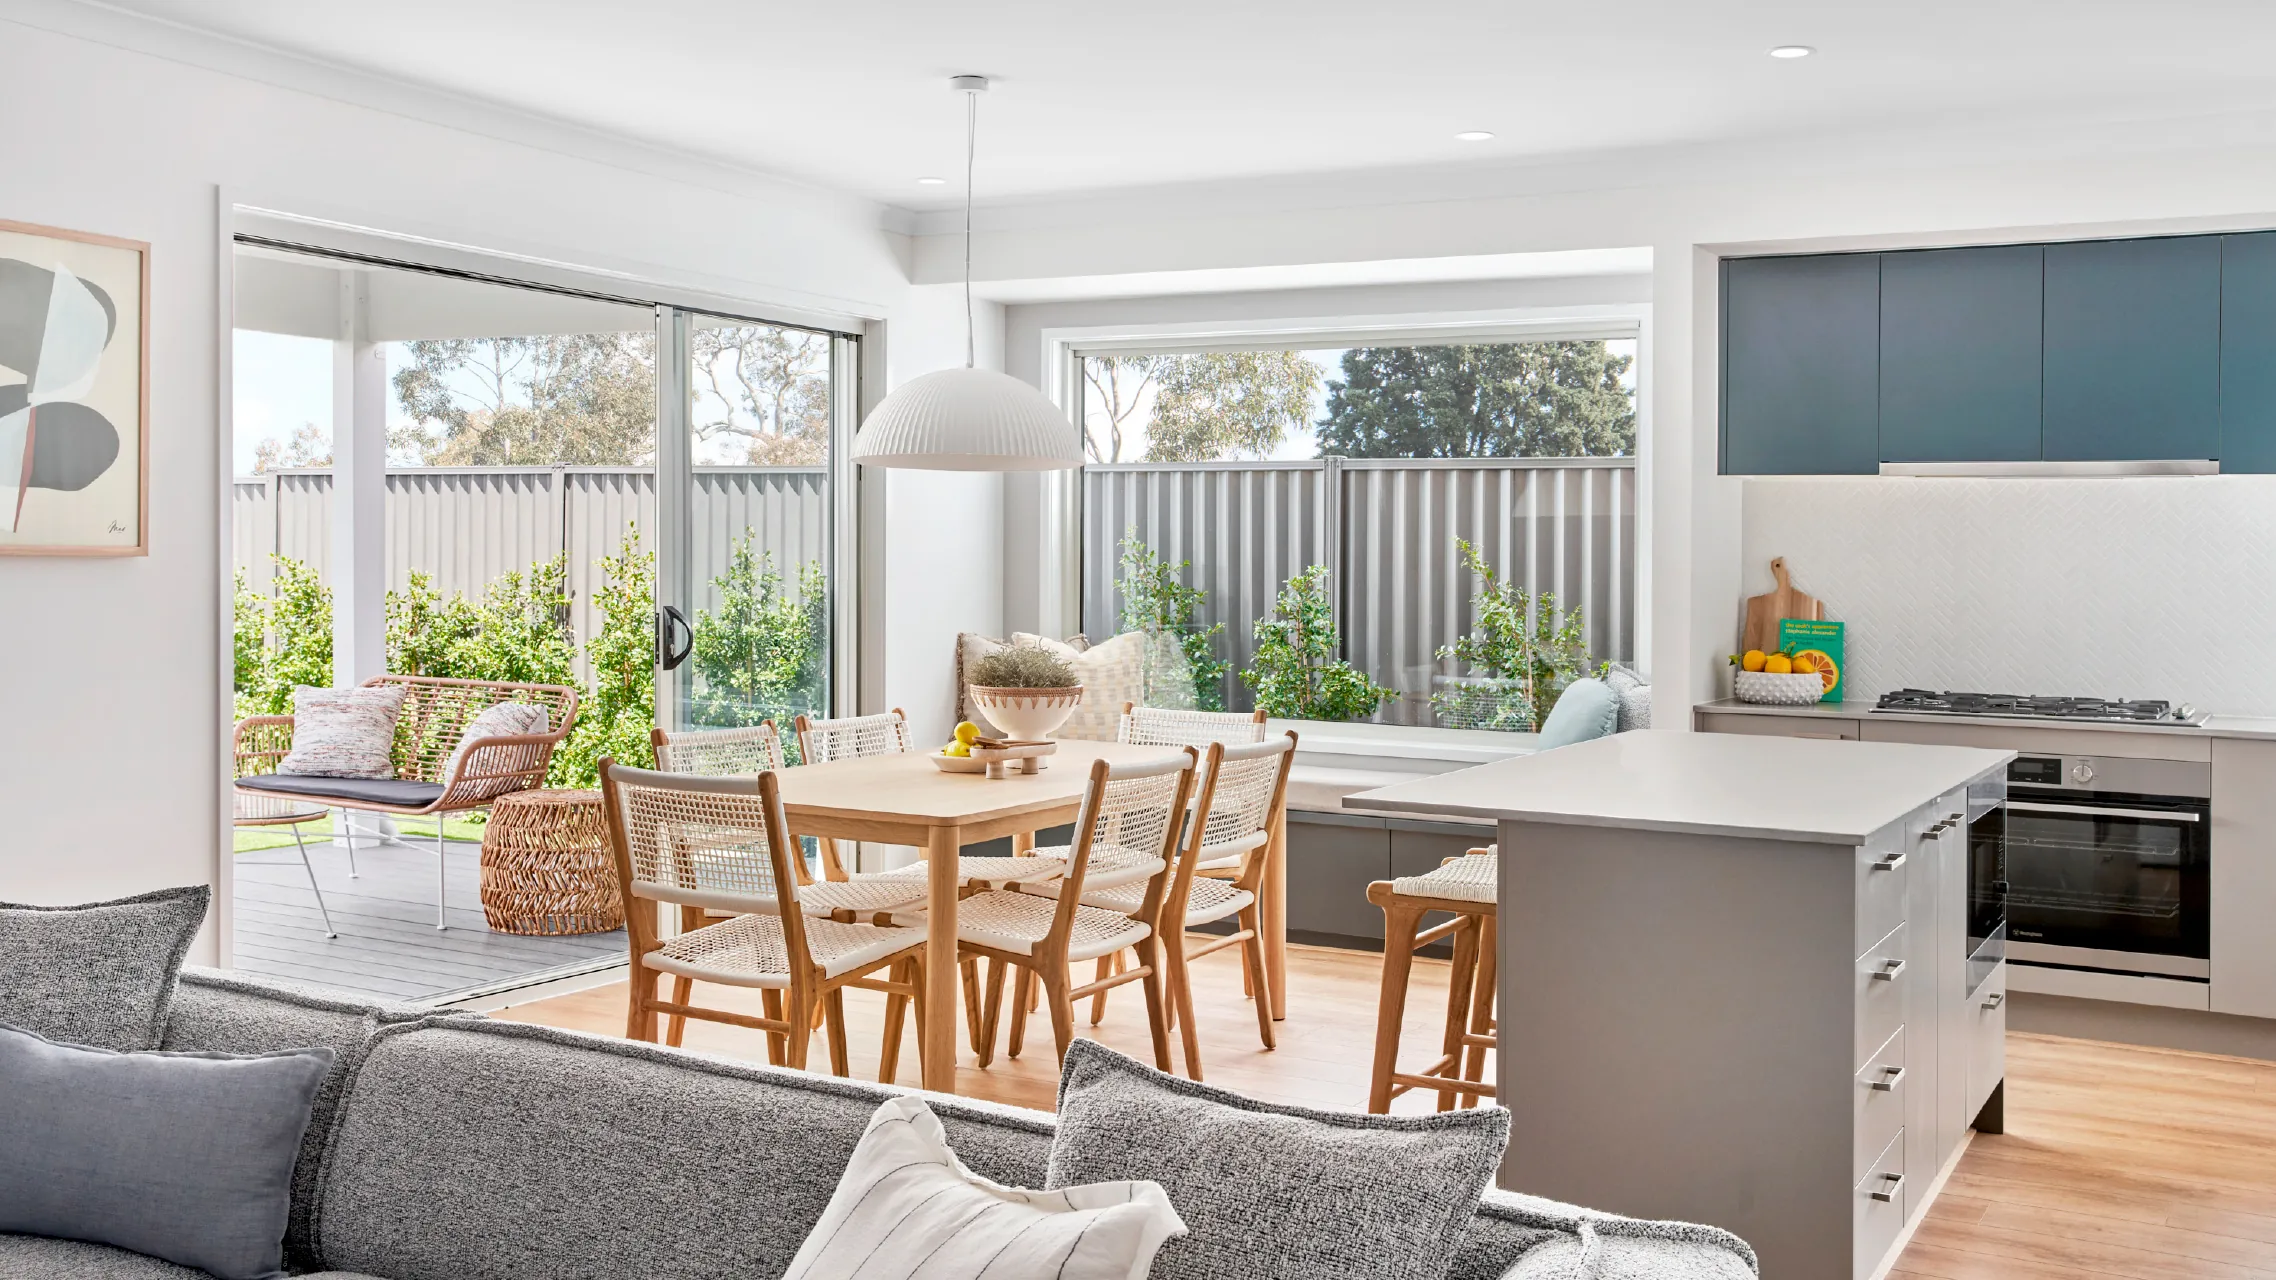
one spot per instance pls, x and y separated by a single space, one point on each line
971 143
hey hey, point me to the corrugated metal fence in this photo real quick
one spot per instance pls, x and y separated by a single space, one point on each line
1388 526
467 526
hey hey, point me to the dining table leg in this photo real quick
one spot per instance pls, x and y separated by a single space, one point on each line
937 1051
1274 914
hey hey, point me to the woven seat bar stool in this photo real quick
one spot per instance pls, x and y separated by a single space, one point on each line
703 843
1137 805
1465 888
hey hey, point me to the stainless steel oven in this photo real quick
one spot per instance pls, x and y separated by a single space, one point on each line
2108 864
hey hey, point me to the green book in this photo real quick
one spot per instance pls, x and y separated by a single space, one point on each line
1820 640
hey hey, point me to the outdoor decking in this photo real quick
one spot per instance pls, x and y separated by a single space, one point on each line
388 945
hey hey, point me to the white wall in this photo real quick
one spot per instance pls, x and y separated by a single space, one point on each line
2180 180
111 748
2114 588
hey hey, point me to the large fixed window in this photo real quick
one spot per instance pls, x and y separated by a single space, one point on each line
1409 534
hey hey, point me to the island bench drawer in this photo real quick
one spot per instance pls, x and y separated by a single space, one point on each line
1877 1102
1882 868
1879 985
1877 1211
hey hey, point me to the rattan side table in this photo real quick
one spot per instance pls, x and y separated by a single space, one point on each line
546 864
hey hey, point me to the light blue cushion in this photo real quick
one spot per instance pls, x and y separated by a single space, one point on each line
1587 709
182 1156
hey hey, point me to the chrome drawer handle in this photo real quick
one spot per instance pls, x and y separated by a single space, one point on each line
1995 999
1888 971
1888 1193
1889 1080
1890 862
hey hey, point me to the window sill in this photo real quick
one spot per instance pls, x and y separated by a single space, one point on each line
1402 747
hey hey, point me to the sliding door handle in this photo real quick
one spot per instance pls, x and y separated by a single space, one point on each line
669 620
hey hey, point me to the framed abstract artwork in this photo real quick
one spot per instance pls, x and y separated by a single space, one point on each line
74 393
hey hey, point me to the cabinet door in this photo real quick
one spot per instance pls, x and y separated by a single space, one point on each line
1960 337
1801 365
1331 861
2248 352
2133 349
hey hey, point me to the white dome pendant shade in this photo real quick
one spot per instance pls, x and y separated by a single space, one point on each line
968 420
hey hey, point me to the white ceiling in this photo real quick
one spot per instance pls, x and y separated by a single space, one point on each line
1092 98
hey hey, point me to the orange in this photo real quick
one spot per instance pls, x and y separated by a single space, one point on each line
1778 664
1822 663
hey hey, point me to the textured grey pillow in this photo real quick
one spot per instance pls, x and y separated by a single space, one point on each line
1276 1191
1634 695
182 1156
99 974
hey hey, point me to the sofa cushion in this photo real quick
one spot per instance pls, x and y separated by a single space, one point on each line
568 1156
184 1156
224 1012
100 974
1587 709
1634 696
1275 1190
396 793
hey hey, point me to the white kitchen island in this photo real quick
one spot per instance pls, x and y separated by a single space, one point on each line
1735 983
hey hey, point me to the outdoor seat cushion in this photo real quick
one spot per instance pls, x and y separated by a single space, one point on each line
392 792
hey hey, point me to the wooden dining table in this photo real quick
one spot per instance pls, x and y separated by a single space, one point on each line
905 799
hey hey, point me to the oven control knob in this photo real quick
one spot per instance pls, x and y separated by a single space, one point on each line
2082 773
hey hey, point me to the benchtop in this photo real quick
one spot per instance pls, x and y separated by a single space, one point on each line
1773 788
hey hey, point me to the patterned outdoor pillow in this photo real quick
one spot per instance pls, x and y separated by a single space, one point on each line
907 1204
1270 1190
505 720
344 733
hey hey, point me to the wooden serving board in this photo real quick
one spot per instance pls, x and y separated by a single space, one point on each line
1001 757
1766 611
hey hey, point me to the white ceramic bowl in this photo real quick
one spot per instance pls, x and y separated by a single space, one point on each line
1791 690
1027 715
957 764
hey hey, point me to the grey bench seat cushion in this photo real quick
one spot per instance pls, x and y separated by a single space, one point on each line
393 792
572 1157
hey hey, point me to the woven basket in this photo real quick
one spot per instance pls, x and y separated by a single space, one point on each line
547 867
1791 690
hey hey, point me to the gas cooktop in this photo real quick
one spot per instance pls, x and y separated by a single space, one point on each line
2019 706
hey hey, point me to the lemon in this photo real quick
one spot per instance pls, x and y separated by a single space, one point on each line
956 749
1752 660
1778 664
967 733
1803 666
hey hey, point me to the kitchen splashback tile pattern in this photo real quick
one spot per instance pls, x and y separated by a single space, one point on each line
2132 588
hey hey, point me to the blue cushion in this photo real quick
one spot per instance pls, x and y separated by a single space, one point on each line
1587 709
182 1156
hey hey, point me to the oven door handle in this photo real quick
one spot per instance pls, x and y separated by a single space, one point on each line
2104 811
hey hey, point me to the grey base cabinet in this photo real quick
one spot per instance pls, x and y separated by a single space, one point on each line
1333 857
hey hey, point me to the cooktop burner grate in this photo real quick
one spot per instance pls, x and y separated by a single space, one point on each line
2130 710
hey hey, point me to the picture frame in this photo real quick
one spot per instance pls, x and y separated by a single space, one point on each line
74 393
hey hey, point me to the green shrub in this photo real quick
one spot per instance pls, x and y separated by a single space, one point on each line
249 627
1520 638
762 654
615 720
1155 601
1296 674
298 646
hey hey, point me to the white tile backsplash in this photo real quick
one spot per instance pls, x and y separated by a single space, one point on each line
2118 588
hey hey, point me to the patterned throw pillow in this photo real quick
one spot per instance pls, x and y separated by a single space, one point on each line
504 720
906 1204
1271 1190
344 733
1111 672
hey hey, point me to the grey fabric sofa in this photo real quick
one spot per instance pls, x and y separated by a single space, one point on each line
461 1148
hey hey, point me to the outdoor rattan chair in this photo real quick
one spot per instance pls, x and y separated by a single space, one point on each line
436 711
698 843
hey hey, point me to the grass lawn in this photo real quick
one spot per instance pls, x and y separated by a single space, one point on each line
459 826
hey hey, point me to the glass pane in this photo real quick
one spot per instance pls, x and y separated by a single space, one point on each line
759 422
1483 543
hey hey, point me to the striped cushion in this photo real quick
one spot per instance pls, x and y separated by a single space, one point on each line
907 1204
344 733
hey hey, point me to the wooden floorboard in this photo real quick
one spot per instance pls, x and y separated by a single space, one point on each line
388 945
2119 1161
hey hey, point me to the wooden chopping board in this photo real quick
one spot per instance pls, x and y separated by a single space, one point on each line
1765 612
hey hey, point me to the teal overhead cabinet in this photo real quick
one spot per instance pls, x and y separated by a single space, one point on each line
1801 365
2132 350
1960 341
2248 352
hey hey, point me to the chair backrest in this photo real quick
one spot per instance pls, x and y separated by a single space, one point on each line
436 710
1242 789
852 737
718 753
1140 806
700 842
1164 727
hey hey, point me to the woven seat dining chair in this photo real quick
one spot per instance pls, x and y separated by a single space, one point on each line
1156 726
1242 791
1137 806
700 843
848 738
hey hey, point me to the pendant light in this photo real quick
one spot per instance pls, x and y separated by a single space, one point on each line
968 419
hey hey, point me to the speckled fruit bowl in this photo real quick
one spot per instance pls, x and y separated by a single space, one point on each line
1790 690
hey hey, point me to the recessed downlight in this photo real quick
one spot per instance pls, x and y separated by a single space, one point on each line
1792 51
932 182
1474 135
